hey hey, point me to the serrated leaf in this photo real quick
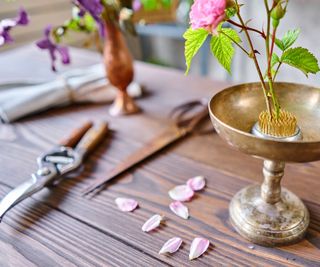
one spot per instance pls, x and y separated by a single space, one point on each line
194 40
288 39
301 59
222 49
232 34
274 60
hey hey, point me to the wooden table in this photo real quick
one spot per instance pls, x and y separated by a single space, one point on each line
58 227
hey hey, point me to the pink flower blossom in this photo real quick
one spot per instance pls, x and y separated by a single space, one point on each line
207 14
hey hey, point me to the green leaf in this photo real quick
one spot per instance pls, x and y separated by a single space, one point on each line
301 59
274 60
279 44
288 39
194 40
149 4
232 34
222 49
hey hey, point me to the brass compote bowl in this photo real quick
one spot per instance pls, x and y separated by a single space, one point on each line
269 214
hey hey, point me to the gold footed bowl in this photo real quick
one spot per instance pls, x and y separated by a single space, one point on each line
268 214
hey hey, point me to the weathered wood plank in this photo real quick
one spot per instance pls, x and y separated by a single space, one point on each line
34 234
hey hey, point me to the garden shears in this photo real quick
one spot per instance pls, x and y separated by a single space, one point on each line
52 166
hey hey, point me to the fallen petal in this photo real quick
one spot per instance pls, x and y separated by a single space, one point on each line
179 209
152 223
181 193
126 204
171 246
197 183
198 247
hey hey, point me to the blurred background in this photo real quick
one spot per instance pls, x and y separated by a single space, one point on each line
160 31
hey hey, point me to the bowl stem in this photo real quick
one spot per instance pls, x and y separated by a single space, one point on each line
273 172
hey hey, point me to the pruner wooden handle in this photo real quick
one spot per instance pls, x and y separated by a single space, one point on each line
76 135
92 138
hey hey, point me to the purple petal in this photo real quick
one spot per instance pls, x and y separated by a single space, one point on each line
197 183
23 18
179 209
152 223
126 204
181 193
7 24
198 247
171 246
64 52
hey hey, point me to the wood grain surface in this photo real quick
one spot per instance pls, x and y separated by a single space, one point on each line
58 227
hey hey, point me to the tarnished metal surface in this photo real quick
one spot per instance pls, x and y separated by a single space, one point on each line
235 110
269 215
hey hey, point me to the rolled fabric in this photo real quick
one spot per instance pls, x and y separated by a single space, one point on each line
88 85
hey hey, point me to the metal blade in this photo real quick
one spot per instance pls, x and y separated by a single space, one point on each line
160 142
18 194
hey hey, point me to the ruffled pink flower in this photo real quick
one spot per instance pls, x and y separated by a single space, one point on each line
207 14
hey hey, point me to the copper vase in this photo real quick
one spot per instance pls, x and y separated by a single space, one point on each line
119 69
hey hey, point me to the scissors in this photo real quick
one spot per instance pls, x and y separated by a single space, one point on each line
62 159
186 120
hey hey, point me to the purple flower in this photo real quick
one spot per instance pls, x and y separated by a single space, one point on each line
47 43
7 24
94 8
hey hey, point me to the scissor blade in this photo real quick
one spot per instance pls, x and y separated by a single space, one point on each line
18 194
160 142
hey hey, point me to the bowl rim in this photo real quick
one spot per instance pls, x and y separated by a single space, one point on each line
250 135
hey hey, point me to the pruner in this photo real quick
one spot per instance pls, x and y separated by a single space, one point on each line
52 166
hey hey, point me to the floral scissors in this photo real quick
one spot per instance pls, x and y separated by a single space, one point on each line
187 119
63 159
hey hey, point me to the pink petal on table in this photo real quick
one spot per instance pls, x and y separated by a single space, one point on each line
152 223
197 183
179 209
198 247
181 193
171 246
126 204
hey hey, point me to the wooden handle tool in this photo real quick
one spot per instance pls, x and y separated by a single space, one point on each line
92 138
76 135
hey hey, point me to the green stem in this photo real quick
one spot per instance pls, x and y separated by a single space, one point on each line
268 28
270 80
277 70
235 42
253 55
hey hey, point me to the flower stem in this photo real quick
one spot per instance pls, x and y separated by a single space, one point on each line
270 80
254 57
248 28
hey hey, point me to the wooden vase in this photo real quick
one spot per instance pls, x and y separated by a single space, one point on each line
119 69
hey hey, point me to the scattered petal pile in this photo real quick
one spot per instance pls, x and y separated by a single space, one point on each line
152 223
171 246
179 209
126 204
198 247
181 193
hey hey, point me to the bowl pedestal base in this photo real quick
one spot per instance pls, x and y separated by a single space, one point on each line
269 215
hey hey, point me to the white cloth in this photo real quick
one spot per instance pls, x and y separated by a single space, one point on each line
22 98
